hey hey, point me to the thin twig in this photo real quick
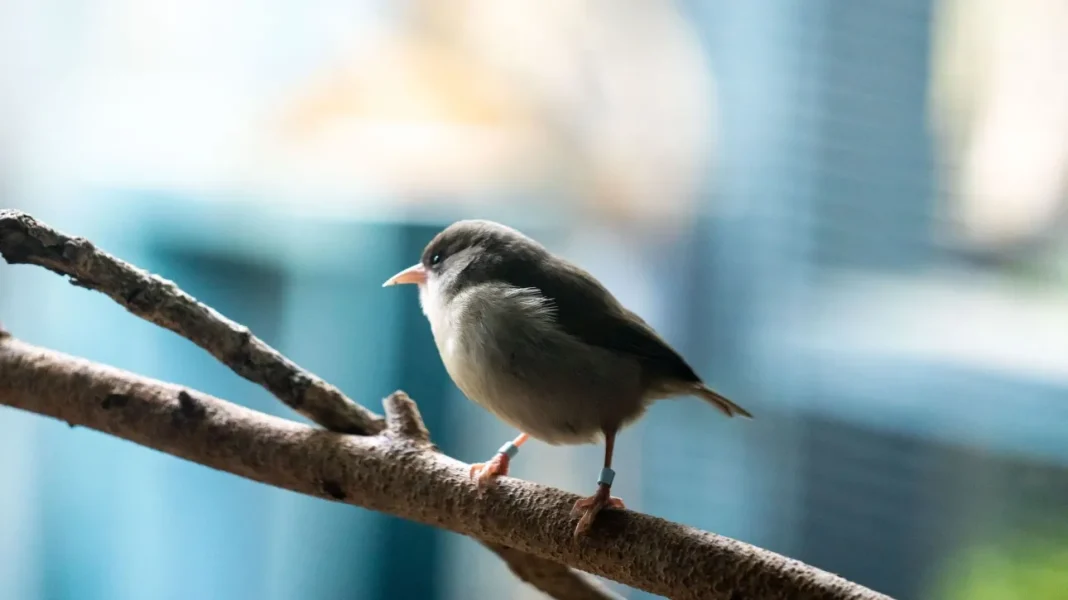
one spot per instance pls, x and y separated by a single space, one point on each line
24 239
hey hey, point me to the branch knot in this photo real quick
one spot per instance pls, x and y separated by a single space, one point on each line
403 419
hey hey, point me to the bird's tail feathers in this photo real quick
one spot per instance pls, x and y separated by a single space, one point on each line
715 399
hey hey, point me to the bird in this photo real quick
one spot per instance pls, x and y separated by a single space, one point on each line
541 344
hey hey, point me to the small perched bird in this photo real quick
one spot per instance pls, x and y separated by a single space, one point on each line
541 344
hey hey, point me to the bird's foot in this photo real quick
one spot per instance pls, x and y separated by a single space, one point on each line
485 473
589 507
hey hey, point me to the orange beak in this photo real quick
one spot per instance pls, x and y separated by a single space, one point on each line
413 274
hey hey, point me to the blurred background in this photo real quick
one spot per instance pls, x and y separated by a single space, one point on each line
850 216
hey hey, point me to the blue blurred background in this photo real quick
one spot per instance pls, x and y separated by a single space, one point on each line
848 215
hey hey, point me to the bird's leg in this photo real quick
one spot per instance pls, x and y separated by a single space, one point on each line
589 507
498 465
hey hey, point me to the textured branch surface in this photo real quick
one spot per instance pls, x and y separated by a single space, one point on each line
23 239
400 477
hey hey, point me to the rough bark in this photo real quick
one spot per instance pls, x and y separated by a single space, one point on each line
400 476
24 239
389 464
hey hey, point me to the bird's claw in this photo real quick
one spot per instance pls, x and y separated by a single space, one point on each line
486 473
587 508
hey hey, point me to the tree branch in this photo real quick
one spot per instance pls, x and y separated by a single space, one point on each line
400 477
23 239
392 467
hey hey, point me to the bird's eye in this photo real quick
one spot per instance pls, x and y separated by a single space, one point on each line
435 259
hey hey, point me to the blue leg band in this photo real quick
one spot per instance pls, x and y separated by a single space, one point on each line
607 477
509 450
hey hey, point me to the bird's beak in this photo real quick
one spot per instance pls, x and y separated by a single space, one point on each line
413 274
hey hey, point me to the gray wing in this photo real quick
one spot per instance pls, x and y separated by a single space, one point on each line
588 311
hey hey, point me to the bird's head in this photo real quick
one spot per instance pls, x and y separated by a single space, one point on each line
467 253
